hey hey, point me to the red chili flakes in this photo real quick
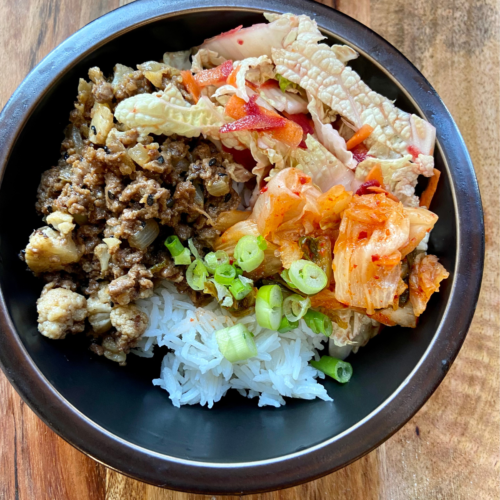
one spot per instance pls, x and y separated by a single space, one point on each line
363 189
362 235
376 277
240 41
302 180
191 320
263 190
375 257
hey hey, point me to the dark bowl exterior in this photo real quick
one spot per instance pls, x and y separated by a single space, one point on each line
115 415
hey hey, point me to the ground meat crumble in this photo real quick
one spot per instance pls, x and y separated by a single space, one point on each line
112 182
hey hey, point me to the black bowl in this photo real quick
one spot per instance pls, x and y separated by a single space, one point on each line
115 414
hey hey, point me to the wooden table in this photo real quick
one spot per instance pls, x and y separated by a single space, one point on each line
450 449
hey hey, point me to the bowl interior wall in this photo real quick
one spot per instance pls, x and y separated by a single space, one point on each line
123 400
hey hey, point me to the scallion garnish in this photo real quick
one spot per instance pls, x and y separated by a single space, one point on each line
307 276
174 245
239 289
236 343
248 254
318 322
295 307
225 274
194 251
341 371
215 259
184 258
262 243
269 306
196 275
286 278
286 326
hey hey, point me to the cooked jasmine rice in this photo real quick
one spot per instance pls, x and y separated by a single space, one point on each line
196 372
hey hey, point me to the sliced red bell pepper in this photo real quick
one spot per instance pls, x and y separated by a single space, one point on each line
214 76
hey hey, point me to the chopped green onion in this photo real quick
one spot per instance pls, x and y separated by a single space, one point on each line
174 245
295 307
248 254
286 278
286 326
262 243
341 371
215 259
307 276
269 306
236 343
183 259
193 249
239 289
225 274
318 322
284 83
239 271
196 275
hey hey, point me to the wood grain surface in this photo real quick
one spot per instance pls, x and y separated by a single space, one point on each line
450 449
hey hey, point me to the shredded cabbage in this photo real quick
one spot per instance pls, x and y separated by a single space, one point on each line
325 169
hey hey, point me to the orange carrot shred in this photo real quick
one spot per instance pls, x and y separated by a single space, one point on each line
375 174
191 85
231 79
376 189
361 135
430 190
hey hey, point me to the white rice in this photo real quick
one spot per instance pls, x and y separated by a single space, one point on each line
195 372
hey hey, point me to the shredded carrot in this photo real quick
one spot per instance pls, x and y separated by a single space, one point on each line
375 174
231 79
430 190
376 189
191 85
361 135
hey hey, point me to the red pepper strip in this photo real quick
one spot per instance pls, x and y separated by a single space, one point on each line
254 122
360 152
243 157
363 189
251 107
214 76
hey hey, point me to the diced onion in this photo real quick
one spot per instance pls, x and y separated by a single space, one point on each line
145 236
295 307
236 343
339 370
307 276
269 307
248 254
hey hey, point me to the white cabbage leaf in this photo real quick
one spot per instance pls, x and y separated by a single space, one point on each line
290 102
400 175
325 169
321 70
206 59
257 40
179 60
327 135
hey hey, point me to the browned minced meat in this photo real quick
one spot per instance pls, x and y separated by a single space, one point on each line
185 185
